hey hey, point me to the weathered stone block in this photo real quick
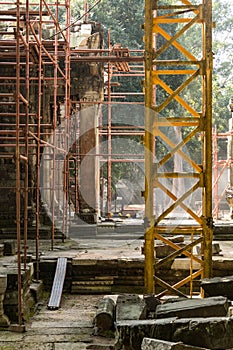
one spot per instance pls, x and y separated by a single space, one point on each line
211 332
3 283
4 320
105 315
1 250
184 264
130 307
215 249
218 286
9 247
208 307
36 289
156 344
130 333
151 303
163 250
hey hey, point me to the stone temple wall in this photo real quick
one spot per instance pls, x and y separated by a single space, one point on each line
86 83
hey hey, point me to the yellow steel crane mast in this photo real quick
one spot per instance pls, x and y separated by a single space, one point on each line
178 181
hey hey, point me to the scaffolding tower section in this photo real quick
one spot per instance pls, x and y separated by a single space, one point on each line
174 179
34 64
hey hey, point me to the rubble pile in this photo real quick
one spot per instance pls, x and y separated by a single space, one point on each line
143 322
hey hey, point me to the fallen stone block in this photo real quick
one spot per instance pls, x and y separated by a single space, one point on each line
1 250
36 289
184 264
156 344
105 316
215 249
163 250
130 333
130 307
218 286
151 304
212 332
208 307
174 239
9 247
100 347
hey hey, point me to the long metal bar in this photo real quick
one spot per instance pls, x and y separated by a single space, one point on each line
207 162
149 152
109 136
26 106
17 164
58 282
67 116
38 155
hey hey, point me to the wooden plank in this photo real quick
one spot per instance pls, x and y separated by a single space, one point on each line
58 282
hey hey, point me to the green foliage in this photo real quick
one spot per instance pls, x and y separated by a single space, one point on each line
123 20
223 72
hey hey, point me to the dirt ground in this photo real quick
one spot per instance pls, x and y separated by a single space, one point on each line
69 327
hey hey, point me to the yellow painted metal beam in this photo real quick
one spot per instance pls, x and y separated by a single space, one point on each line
194 122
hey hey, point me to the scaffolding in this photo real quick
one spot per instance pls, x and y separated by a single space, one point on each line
36 58
40 120
118 63
165 81
33 48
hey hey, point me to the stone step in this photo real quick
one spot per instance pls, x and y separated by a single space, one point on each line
92 286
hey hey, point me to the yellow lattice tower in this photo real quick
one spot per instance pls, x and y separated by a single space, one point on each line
175 120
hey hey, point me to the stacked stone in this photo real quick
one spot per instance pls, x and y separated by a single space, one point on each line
107 275
11 294
93 275
4 320
130 276
193 322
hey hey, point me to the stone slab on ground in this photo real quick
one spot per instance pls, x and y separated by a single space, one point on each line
157 344
9 247
70 346
130 307
151 304
28 346
218 286
100 347
207 307
211 333
163 250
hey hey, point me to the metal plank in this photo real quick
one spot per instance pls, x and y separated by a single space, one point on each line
58 282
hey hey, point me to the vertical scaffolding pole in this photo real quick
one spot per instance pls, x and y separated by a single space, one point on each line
67 116
109 149
26 102
207 162
149 152
17 162
38 150
215 168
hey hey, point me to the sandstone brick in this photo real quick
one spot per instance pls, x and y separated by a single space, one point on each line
218 286
212 332
208 307
130 307
156 344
